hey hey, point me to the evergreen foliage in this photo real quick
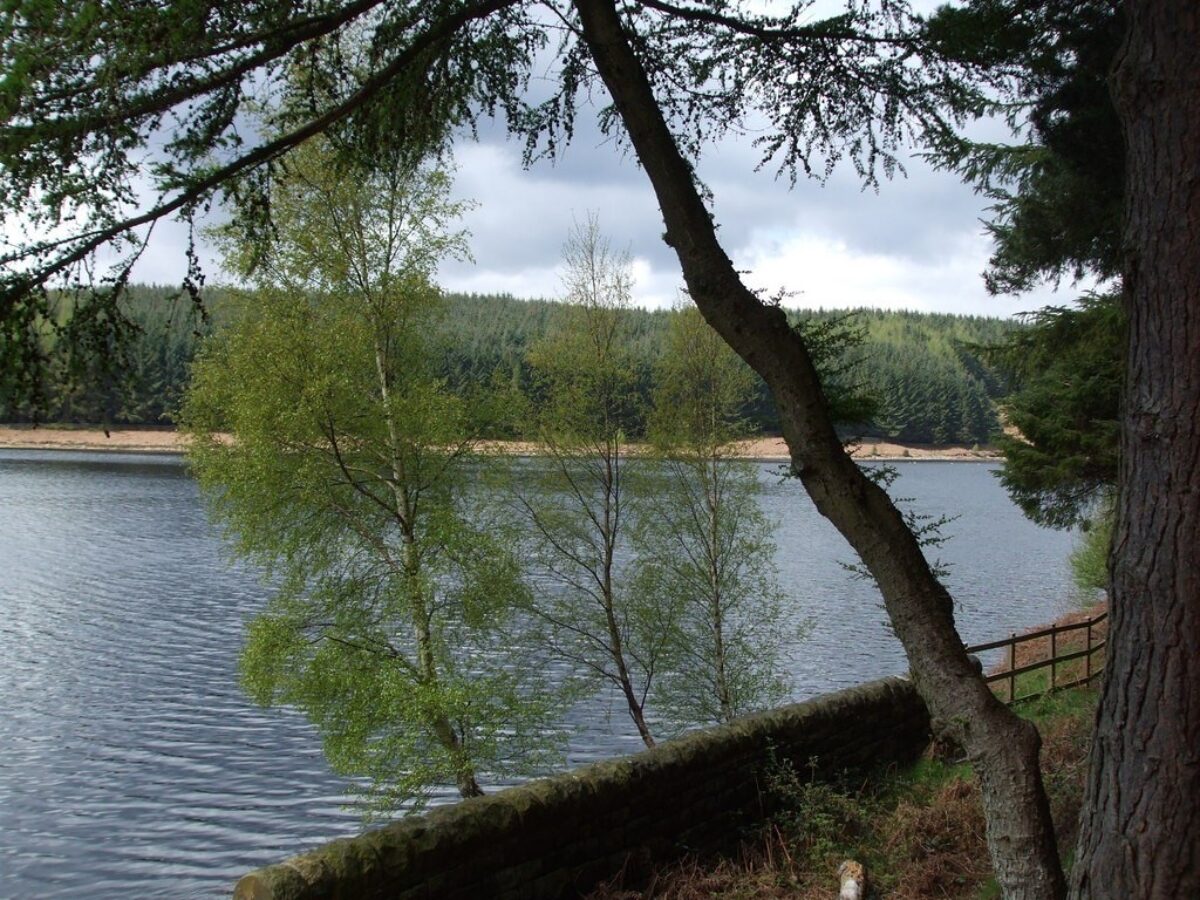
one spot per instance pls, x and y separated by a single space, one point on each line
1058 199
117 115
1057 190
145 389
928 383
924 377
1066 374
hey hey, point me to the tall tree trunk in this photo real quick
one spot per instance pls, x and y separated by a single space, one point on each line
1003 748
443 728
710 475
1140 834
610 525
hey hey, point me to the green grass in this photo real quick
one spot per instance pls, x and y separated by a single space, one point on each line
1051 706
1030 687
927 774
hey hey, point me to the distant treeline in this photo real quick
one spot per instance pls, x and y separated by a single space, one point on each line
927 383
919 369
142 388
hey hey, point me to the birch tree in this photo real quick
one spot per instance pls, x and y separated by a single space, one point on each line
579 499
705 547
330 456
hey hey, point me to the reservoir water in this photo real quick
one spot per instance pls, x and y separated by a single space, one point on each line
132 765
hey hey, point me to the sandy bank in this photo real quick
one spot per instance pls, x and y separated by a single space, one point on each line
775 449
124 440
166 440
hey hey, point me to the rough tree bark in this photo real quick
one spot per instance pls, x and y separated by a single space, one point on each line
1140 834
1003 748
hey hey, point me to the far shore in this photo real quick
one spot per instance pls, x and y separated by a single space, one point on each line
167 440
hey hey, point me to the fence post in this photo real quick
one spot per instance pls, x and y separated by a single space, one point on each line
1053 655
1087 671
1012 664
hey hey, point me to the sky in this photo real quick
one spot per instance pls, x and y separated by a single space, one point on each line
918 242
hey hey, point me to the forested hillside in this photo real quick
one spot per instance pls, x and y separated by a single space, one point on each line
927 384
930 385
144 390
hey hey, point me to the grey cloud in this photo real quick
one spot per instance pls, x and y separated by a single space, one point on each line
927 224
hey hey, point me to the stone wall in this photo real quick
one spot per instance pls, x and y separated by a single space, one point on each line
559 836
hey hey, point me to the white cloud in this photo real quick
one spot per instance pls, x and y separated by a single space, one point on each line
824 271
529 283
917 243
654 288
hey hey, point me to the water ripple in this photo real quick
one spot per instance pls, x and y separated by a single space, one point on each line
132 763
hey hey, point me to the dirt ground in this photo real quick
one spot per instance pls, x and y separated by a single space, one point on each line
166 440
774 448
128 440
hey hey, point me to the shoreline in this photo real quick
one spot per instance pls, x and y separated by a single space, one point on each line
162 439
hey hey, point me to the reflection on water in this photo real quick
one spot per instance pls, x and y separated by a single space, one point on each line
131 762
